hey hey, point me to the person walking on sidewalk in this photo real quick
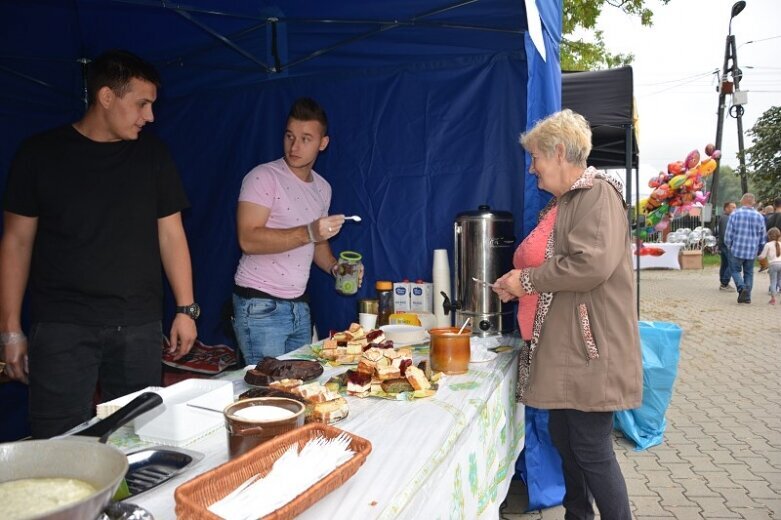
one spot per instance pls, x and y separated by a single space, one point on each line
774 219
772 252
745 238
725 269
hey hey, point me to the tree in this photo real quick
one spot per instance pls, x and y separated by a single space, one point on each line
729 187
764 155
577 54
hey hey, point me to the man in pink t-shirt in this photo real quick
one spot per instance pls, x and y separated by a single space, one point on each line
283 226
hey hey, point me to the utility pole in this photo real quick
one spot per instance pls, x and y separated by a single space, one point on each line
738 100
727 87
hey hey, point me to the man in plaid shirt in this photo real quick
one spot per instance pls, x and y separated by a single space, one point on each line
745 237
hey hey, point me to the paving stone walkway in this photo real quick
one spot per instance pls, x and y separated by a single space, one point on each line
721 456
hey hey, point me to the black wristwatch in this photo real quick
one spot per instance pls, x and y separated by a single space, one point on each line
193 310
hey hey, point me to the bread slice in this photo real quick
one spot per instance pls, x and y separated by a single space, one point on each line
329 354
425 366
356 346
328 412
376 386
357 331
388 372
347 359
315 392
417 378
403 354
342 336
365 367
286 384
395 386
391 353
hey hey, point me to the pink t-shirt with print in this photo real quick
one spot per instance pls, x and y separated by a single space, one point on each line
293 203
531 253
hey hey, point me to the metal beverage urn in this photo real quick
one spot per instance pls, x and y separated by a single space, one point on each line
483 249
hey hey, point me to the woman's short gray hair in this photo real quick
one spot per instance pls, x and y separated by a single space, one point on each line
565 127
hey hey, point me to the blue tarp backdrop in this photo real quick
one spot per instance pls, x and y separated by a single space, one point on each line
426 100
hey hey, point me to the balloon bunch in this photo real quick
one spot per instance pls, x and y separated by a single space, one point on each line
696 238
677 191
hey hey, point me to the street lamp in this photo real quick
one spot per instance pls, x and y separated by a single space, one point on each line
736 9
727 87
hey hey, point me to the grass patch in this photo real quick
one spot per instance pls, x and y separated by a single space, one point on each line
709 260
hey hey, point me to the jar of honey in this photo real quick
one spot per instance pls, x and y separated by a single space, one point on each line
450 352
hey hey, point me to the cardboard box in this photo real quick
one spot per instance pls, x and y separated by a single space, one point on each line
401 296
421 296
690 259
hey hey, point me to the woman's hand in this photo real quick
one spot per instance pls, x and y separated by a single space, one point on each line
508 287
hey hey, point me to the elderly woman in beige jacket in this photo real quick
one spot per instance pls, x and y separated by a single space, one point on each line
583 361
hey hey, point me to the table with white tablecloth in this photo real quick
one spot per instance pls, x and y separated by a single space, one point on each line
450 455
656 255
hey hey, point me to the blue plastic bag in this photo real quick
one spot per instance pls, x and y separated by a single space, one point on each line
661 346
539 463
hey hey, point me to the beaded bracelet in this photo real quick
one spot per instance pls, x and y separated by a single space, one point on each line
9 338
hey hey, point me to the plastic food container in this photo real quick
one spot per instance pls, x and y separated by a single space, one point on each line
190 410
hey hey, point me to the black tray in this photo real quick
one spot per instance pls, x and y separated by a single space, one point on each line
150 467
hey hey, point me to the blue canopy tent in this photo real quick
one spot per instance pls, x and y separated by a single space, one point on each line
426 99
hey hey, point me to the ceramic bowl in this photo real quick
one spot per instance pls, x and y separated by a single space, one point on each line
244 433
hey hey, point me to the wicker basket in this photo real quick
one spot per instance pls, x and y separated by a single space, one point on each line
195 496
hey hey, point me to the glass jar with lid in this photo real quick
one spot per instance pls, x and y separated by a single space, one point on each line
385 301
348 269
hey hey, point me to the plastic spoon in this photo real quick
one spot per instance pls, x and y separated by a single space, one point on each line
354 218
464 325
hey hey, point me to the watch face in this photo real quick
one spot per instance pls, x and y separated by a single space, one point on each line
192 311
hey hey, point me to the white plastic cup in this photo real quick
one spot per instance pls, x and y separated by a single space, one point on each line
367 321
440 271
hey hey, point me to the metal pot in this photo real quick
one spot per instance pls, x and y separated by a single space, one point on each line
483 245
82 456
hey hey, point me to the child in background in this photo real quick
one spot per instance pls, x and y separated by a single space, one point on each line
772 252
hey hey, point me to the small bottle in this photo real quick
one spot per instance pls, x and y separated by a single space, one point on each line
385 302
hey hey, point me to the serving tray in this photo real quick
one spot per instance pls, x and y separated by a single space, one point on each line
150 467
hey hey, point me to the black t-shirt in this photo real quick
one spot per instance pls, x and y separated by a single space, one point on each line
96 259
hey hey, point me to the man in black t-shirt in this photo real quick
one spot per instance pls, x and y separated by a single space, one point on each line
774 219
92 209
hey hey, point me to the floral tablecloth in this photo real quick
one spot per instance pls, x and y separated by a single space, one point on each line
448 456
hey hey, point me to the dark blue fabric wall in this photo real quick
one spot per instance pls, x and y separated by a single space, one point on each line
411 147
425 114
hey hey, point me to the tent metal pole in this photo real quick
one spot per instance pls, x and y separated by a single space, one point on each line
629 134
205 48
156 4
187 16
385 27
38 82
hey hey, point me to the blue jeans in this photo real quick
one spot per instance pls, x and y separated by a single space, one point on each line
270 327
775 279
725 269
743 273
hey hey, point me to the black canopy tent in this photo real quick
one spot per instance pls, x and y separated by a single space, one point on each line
605 99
